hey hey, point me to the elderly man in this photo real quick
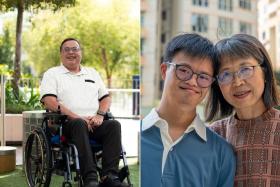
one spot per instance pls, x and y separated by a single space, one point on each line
177 149
80 93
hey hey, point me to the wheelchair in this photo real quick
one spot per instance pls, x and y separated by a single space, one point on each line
47 151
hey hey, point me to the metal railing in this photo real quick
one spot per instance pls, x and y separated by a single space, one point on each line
2 124
125 103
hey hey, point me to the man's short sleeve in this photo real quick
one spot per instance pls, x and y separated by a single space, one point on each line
102 92
48 85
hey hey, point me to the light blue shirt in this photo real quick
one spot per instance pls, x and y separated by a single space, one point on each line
168 144
200 158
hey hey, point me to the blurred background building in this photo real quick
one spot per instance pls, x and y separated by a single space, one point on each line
269 28
214 19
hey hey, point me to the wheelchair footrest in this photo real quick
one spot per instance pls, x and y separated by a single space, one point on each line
123 173
66 184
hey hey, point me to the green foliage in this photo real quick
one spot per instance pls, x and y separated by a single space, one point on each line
109 36
29 98
5 70
6 5
6 48
20 6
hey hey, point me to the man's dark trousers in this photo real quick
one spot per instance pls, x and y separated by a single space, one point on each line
108 134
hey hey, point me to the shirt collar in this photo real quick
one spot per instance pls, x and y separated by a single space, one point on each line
150 120
153 118
199 126
63 70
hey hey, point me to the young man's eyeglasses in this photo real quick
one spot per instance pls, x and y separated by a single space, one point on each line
73 49
185 73
245 72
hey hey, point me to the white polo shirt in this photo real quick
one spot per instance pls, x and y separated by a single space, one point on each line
79 92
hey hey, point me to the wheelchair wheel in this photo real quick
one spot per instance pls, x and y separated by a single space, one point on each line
38 159
80 183
66 184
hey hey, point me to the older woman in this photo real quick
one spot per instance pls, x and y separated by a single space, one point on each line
244 97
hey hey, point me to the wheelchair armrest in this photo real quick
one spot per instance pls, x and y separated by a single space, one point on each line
56 118
108 116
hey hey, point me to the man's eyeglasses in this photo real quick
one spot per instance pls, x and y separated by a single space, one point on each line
245 72
185 73
73 49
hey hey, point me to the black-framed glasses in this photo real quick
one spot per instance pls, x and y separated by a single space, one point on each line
245 72
185 73
73 49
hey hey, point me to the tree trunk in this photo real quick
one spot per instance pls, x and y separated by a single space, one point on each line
106 66
17 71
109 80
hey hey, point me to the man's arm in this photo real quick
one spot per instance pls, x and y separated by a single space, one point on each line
104 106
51 103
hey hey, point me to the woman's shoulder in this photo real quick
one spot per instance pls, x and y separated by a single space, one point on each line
220 123
274 114
219 126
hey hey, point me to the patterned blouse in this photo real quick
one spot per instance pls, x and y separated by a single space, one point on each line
257 147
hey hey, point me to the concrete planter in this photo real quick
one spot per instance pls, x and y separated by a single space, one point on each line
15 125
13 128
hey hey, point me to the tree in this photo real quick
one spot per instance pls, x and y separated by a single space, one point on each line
6 48
20 6
112 48
108 35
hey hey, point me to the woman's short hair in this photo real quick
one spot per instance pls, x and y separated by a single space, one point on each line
240 46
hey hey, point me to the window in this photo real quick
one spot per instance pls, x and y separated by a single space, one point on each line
225 5
142 45
225 26
142 18
199 23
245 28
245 4
163 15
203 3
162 38
263 36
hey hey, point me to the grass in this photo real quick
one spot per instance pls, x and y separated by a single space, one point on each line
17 177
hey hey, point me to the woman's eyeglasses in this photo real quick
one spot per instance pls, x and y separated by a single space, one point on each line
245 72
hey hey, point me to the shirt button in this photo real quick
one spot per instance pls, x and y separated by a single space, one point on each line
171 149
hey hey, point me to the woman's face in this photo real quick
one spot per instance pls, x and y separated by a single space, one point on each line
242 83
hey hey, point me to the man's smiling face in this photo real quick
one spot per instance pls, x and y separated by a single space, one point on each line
186 92
71 55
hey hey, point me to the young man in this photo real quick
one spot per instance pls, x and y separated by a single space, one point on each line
82 96
177 149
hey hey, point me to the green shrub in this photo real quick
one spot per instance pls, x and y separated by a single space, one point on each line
28 99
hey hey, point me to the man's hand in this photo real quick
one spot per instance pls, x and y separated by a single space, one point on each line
87 119
96 121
